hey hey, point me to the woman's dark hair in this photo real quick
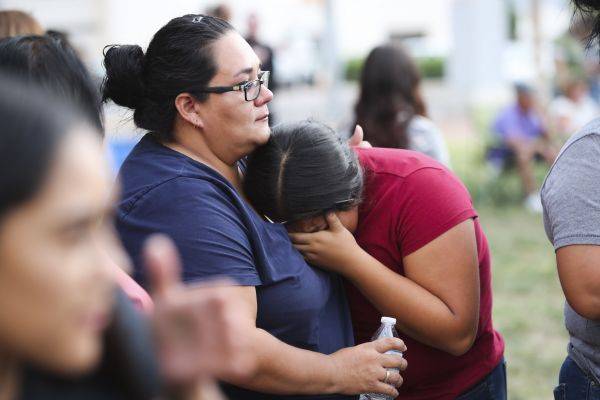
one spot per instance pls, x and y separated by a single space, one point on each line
590 9
51 63
305 169
389 96
33 125
179 59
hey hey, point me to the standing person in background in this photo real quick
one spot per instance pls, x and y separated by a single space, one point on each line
520 129
390 107
14 23
200 93
571 200
222 11
265 55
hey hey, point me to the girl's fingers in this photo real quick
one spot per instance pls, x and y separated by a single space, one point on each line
300 238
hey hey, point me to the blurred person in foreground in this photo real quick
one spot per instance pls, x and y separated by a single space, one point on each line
390 107
402 230
51 63
66 331
521 131
201 95
571 200
14 23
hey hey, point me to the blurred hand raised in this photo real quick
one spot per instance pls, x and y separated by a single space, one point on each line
198 327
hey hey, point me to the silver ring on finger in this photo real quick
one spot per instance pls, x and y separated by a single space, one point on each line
387 376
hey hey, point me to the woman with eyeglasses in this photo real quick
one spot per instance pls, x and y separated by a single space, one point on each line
201 95
401 229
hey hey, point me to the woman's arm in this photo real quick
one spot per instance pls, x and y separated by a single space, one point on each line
284 369
437 303
207 330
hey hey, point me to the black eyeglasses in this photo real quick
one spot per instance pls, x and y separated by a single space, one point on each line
251 89
338 206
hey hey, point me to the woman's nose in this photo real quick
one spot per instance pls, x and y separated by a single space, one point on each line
265 96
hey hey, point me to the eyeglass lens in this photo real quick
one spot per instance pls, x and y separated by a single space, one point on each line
252 89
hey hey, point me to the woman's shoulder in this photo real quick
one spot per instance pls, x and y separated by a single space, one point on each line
157 174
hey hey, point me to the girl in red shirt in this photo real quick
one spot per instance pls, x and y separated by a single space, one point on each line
402 230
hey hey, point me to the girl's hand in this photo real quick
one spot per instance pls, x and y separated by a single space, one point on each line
356 140
332 249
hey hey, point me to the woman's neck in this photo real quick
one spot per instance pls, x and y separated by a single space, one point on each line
9 378
193 146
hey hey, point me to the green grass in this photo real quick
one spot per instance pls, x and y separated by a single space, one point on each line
528 299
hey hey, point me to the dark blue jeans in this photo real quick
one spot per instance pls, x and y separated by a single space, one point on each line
492 387
574 384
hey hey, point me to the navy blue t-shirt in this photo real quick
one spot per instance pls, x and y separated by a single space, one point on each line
218 234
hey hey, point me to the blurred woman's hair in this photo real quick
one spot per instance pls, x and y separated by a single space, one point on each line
15 23
51 63
179 59
304 170
32 128
590 11
389 96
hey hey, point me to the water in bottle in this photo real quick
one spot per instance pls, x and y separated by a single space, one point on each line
387 329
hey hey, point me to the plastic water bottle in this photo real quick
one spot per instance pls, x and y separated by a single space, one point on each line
387 329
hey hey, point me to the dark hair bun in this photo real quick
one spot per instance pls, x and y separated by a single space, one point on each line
123 83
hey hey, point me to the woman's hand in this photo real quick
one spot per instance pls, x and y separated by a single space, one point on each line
362 369
197 328
332 249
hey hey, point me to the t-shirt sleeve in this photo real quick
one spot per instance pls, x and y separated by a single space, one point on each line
434 201
206 225
571 195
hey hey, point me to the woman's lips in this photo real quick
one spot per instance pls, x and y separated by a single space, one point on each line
263 118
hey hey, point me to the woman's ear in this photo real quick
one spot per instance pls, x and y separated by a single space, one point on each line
185 104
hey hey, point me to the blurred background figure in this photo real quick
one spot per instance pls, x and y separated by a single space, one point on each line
390 106
222 11
574 60
570 111
522 136
265 54
15 22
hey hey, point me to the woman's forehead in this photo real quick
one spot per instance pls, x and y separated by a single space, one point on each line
234 56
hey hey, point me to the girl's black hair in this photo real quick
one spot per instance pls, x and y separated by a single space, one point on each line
50 62
179 59
33 125
305 169
389 96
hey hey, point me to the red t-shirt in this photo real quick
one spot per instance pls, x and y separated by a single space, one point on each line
409 200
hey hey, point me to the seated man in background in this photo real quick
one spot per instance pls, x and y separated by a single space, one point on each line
522 133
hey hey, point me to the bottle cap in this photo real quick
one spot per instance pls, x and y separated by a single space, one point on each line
388 320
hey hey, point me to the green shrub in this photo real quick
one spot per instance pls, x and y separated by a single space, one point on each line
430 67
